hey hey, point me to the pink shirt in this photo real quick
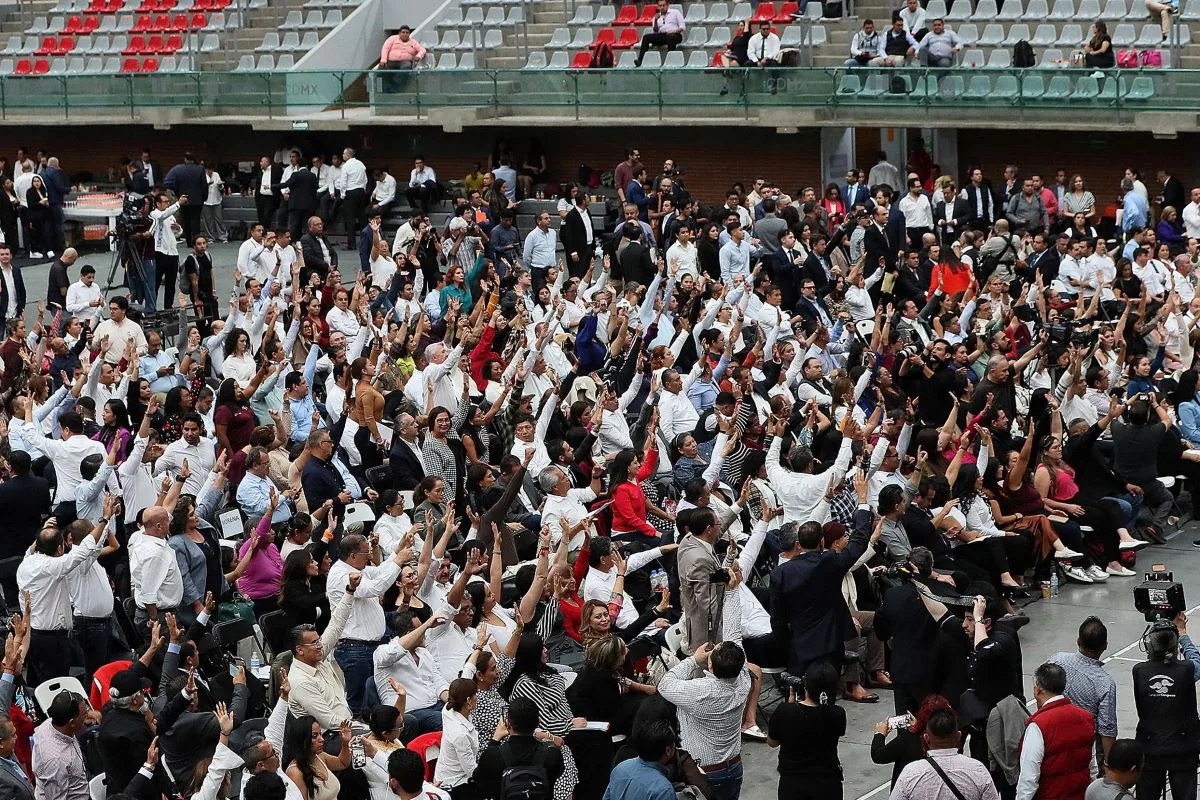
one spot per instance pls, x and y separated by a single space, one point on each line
396 50
262 575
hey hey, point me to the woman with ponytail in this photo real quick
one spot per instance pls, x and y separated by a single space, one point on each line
807 733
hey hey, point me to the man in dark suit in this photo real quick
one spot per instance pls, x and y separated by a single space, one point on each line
189 178
809 307
578 238
816 266
854 193
903 617
150 168
302 199
949 215
10 273
635 258
1172 191
405 458
266 199
877 243
1047 255
787 269
319 255
807 608
980 200
134 180
25 499
14 783
57 189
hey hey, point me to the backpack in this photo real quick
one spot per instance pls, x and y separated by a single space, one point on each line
1023 54
602 57
986 265
525 781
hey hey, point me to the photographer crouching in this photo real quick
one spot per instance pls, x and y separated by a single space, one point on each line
1164 691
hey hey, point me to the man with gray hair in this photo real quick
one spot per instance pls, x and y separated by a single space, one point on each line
406 459
1184 282
255 489
443 377
565 505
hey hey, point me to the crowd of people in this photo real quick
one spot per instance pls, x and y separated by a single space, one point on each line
584 511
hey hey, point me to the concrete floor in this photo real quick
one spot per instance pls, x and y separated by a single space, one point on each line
1053 627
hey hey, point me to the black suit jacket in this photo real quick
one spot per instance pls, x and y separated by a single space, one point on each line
313 257
303 187
24 498
137 183
807 608
812 316
1046 264
636 264
406 468
276 178
876 245
903 614
787 276
1173 194
814 271
9 306
958 213
575 236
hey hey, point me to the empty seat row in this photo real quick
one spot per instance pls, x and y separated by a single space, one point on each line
155 44
561 60
291 41
266 63
952 88
101 45
94 65
1124 34
476 16
128 23
470 40
1036 10
298 20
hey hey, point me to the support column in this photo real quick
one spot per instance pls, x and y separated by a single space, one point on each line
837 155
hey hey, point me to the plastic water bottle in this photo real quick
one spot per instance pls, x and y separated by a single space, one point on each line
1054 583
255 662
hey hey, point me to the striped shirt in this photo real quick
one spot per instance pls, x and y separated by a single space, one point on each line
1089 686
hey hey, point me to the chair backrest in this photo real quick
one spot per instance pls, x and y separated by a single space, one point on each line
48 690
428 746
96 788
674 637
233 631
98 696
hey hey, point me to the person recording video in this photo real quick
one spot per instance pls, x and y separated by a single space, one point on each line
1164 691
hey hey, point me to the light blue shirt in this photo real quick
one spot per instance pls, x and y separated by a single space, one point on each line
148 369
303 408
540 249
20 436
254 494
637 779
433 304
735 260
89 495
1136 212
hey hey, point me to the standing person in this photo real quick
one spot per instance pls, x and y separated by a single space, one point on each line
192 179
1164 691
945 773
59 281
1089 685
352 185
57 188
807 735
1057 758
302 187
153 569
711 706
37 217
198 280
166 248
266 199
702 600
538 255
45 574
212 220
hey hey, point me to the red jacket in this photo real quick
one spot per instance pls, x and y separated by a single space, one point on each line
629 502
1069 735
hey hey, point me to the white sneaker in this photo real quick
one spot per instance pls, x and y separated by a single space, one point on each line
36 255
1098 575
1120 572
1133 544
1066 554
49 254
1077 573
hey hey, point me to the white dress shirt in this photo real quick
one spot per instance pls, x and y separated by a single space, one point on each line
763 47
686 256
154 572
91 593
459 750
419 177
385 190
353 176
46 579
450 644
200 457
79 302
66 455
366 622
119 336
917 211
417 671
598 585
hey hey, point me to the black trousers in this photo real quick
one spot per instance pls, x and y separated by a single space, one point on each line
189 218
1180 771
909 696
424 195
297 221
669 40
52 654
352 207
166 270
266 205
94 637
808 787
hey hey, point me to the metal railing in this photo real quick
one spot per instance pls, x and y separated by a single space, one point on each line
934 93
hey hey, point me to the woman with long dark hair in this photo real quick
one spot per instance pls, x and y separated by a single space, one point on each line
807 735
628 470
301 601
116 427
233 418
308 765
367 411
37 217
708 251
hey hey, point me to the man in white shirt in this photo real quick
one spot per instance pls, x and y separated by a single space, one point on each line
352 184
1185 281
211 218
405 661
603 571
531 433
918 214
91 593
384 193
914 19
45 575
566 504
682 256
422 189
266 200
366 624
1191 215
317 685
198 450
613 435
153 569
326 175
250 250
676 413
84 297
119 330
67 453
763 49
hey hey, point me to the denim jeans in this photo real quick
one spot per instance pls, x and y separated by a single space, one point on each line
357 663
1130 504
93 635
418 721
141 288
727 783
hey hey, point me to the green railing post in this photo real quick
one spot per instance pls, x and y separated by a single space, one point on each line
4 98
658 78
419 77
575 94
342 92
270 97
495 75
66 100
199 89
132 113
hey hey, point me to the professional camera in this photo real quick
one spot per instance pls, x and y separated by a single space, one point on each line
1160 596
131 220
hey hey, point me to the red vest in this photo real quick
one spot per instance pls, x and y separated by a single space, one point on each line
1069 735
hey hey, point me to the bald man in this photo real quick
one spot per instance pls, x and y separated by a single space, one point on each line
157 582
59 279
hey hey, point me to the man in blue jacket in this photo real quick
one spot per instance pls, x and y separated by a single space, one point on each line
189 178
57 188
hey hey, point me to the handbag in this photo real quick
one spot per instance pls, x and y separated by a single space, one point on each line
945 778
1152 58
1127 58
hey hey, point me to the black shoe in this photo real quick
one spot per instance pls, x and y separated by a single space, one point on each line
637 62
1196 543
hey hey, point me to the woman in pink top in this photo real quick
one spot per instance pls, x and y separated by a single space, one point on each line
260 581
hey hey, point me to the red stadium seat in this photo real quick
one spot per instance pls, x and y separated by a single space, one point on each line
581 61
626 16
179 23
142 24
629 38
219 5
131 65
65 45
90 24
174 44
147 6
74 25
150 65
156 43
162 23
765 13
137 46
605 36
49 45
647 17
202 5
428 746
41 66
199 22
786 10
112 6
95 7
166 5
24 67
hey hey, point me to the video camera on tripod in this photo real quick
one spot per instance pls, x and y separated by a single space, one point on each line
1160 596
132 220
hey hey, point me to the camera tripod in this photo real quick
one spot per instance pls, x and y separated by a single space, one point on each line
127 256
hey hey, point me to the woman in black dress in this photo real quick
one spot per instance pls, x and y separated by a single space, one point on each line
37 215
807 735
